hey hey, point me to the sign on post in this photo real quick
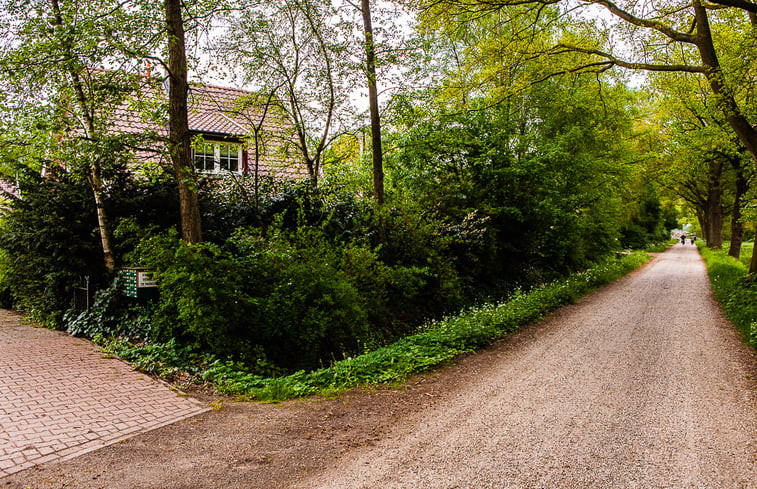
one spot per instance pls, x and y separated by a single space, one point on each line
138 283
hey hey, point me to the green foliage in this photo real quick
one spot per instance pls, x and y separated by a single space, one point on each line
49 241
647 225
747 249
736 290
162 359
436 343
546 197
660 247
110 316
299 296
50 238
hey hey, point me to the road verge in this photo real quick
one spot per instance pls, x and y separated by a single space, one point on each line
437 342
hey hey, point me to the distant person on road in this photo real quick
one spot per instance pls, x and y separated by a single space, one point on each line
683 239
693 238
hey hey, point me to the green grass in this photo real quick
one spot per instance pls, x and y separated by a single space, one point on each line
660 247
746 253
734 288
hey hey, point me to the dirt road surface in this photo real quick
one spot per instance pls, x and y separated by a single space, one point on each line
642 384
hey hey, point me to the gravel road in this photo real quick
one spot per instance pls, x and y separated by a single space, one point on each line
641 385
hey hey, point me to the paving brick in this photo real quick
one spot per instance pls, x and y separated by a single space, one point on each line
74 401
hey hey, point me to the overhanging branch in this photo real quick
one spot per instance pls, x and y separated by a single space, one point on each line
741 4
609 58
646 23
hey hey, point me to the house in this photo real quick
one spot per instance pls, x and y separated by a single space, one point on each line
235 131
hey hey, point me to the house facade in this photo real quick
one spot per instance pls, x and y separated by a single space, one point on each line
234 131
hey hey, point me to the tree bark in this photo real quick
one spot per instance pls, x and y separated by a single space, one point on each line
737 228
745 132
704 224
179 142
743 129
370 68
94 173
96 184
715 220
714 208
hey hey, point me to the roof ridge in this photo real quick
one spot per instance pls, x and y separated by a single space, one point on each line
209 85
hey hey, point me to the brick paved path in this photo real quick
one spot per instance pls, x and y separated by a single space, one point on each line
59 397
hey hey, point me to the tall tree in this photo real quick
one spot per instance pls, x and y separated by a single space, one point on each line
704 160
290 48
737 226
51 56
73 66
179 139
683 39
370 69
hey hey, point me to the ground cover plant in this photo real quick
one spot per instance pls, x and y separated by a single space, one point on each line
735 289
434 343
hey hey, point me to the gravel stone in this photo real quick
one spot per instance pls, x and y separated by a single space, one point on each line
643 384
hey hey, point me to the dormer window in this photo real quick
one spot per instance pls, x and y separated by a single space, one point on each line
204 158
230 157
217 158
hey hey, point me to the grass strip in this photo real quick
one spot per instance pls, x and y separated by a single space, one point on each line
734 289
437 342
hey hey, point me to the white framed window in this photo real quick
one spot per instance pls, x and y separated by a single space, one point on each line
217 158
230 157
204 158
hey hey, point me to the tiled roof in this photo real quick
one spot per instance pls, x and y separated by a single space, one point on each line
215 112
228 111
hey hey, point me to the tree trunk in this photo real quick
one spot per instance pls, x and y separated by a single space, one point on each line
753 263
370 68
714 209
737 228
704 223
179 141
715 220
743 129
94 176
96 184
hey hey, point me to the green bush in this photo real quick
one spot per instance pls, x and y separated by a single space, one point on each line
50 239
736 290
302 300
49 243
112 316
436 343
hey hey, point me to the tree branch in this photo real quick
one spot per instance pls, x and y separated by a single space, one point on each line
686 68
646 23
740 4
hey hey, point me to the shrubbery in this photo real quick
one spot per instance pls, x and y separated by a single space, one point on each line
298 298
50 239
49 244
736 290
435 343
298 280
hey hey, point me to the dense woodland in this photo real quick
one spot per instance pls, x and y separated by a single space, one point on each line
458 151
